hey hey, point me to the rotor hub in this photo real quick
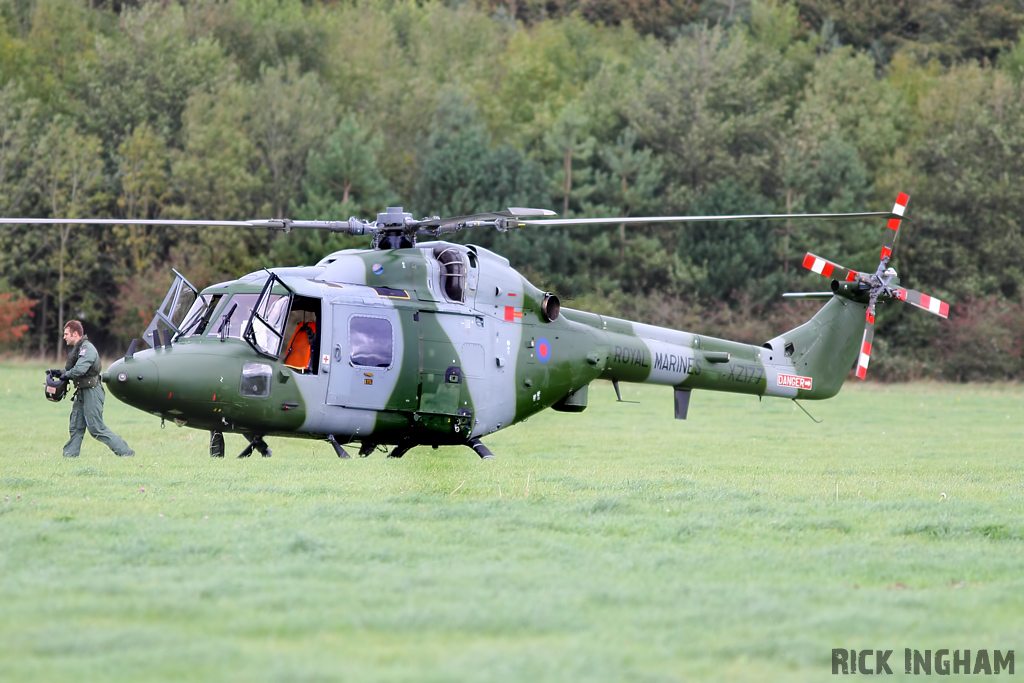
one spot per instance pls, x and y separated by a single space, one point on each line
394 216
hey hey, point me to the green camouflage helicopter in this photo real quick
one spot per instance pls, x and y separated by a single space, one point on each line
434 343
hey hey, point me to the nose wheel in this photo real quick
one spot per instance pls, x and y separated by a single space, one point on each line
216 445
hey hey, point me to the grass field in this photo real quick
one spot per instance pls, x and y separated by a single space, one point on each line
616 545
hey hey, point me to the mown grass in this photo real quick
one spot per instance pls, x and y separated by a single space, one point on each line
742 544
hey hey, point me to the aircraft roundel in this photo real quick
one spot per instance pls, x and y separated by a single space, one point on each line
543 350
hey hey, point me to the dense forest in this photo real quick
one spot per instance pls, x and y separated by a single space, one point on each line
245 109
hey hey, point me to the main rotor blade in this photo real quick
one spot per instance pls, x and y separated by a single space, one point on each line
923 301
118 221
697 219
351 227
456 223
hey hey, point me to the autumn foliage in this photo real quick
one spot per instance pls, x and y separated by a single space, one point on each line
12 309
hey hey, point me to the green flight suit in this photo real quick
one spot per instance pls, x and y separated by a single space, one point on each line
83 368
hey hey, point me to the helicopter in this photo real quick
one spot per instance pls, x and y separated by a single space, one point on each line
433 343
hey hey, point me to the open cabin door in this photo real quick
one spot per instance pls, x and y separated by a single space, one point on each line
265 330
171 314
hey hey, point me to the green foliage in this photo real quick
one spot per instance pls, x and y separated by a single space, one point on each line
985 340
927 29
59 47
217 174
143 74
344 178
570 146
68 173
463 173
19 123
13 54
736 256
844 97
707 106
1011 61
288 114
543 70
143 169
632 180
656 17
261 108
969 160
264 33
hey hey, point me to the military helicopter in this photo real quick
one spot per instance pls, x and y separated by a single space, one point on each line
433 343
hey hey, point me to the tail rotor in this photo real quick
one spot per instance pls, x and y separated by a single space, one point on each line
878 286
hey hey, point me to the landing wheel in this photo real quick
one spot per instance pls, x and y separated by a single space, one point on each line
366 449
216 445
256 443
401 449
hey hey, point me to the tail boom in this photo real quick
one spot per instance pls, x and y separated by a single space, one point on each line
809 362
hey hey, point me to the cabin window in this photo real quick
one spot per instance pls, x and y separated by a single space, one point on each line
256 380
371 341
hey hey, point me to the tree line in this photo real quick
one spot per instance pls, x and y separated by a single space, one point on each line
259 108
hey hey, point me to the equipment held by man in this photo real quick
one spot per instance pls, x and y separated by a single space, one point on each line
56 388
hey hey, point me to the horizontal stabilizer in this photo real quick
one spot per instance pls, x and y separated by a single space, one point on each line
807 295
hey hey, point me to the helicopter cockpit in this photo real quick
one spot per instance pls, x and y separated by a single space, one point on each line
277 322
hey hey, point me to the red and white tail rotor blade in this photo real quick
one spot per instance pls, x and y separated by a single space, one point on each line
923 301
865 345
894 224
826 268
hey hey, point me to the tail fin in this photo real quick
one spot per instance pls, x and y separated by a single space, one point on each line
825 347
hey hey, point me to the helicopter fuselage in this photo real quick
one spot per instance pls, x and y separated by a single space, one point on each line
435 344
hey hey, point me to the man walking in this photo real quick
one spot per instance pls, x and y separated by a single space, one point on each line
83 369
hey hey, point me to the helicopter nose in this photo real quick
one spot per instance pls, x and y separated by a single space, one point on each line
132 380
